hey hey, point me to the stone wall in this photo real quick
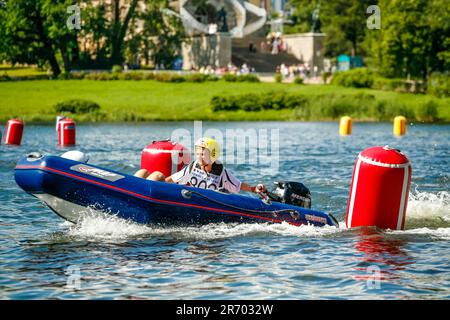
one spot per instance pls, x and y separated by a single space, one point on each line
207 50
307 47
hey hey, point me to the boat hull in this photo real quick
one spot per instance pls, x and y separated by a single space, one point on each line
73 189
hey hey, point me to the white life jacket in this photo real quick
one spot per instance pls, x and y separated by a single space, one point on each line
218 178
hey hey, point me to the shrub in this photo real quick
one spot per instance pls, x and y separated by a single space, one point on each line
125 76
212 78
241 78
428 111
92 116
5 77
168 77
292 101
302 112
379 110
90 76
249 102
247 78
117 68
385 84
439 85
334 106
114 76
103 76
229 77
197 77
361 96
257 102
135 76
63 76
278 78
330 106
149 76
276 100
96 76
361 105
78 75
394 108
131 76
219 103
298 80
325 76
77 106
357 78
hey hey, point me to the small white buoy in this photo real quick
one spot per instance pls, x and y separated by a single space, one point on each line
76 156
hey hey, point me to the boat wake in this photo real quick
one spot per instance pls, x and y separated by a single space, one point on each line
425 209
428 215
103 226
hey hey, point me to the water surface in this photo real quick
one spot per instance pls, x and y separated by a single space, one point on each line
41 256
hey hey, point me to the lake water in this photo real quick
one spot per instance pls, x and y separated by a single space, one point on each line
43 257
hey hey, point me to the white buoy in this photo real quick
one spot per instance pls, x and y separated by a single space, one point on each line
76 156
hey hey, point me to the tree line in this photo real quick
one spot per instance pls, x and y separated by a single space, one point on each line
412 39
110 33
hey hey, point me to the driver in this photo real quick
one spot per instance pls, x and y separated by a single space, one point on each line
205 171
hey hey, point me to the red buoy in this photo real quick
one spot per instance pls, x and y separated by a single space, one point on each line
164 156
379 190
66 132
14 131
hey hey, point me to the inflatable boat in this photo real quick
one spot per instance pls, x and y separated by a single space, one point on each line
72 189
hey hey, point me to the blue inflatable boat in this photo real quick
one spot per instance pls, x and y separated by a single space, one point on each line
69 187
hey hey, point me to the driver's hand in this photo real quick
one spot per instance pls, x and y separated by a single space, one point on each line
260 188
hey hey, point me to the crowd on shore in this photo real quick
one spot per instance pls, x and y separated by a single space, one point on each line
274 44
229 69
303 70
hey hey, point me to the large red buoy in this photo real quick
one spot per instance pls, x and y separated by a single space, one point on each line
379 190
164 156
66 132
13 132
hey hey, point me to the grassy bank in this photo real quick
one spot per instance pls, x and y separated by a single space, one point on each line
127 100
19 71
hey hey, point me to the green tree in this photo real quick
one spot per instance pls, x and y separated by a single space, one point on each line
413 39
162 33
63 38
35 32
119 27
347 20
25 35
94 36
343 21
301 17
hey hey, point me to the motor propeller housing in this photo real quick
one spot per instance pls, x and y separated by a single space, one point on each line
290 192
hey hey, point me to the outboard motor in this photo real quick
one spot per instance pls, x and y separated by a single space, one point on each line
294 193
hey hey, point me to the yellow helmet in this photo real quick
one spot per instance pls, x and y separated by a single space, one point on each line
210 144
